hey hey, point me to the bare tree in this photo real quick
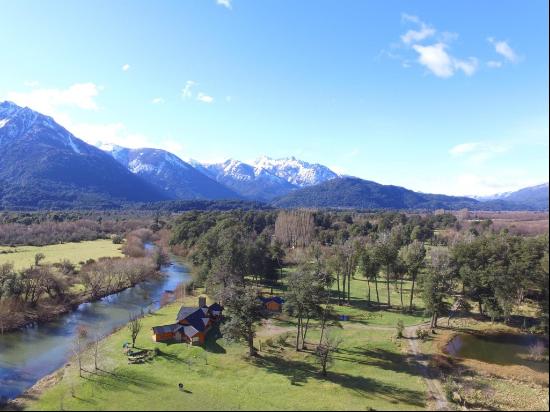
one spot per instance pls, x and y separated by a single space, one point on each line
79 345
134 326
97 337
326 350
295 228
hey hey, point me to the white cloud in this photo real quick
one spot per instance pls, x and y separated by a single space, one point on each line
502 48
482 185
469 66
494 64
157 100
56 102
410 17
479 152
204 98
413 36
463 148
31 83
126 67
48 101
186 92
441 63
224 3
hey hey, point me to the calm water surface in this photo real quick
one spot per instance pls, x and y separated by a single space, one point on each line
500 349
30 354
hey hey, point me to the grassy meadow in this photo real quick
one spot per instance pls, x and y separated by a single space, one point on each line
23 256
371 370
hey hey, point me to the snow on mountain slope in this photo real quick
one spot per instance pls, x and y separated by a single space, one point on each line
266 178
43 165
178 179
249 181
296 172
16 121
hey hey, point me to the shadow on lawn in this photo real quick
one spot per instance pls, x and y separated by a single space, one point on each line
380 358
124 380
299 372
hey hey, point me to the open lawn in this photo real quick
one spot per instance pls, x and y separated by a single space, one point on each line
370 371
369 313
23 256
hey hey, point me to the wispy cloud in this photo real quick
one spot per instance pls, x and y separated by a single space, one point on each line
204 98
494 64
187 91
126 67
157 100
412 36
436 58
60 104
31 83
504 49
479 152
225 3
49 101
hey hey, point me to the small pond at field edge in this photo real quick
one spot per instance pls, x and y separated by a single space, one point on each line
500 349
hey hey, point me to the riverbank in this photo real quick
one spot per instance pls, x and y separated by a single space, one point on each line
477 385
65 262
46 312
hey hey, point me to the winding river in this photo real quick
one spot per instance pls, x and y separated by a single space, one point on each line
32 353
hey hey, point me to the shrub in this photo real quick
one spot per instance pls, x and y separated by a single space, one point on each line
117 239
422 333
400 328
283 338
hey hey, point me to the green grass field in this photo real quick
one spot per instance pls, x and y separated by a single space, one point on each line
23 256
361 311
370 370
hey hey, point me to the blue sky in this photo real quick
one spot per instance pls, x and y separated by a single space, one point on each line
447 97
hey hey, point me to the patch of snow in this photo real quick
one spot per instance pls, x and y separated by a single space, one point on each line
136 166
3 122
73 145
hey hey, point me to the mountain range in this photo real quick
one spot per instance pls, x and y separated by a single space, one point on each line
535 196
42 165
266 178
175 178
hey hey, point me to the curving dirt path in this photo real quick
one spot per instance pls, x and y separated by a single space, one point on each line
435 390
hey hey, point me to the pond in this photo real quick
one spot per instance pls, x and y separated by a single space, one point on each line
499 349
29 354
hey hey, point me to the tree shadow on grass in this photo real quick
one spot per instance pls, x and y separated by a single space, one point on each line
299 372
380 358
124 380
211 345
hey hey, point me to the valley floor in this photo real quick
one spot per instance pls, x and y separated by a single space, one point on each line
372 369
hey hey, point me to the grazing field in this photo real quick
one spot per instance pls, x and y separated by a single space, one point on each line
370 370
23 256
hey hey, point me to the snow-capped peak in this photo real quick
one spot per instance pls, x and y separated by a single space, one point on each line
294 171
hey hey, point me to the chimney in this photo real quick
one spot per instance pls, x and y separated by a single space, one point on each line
202 301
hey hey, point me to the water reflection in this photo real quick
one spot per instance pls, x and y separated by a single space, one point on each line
28 355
